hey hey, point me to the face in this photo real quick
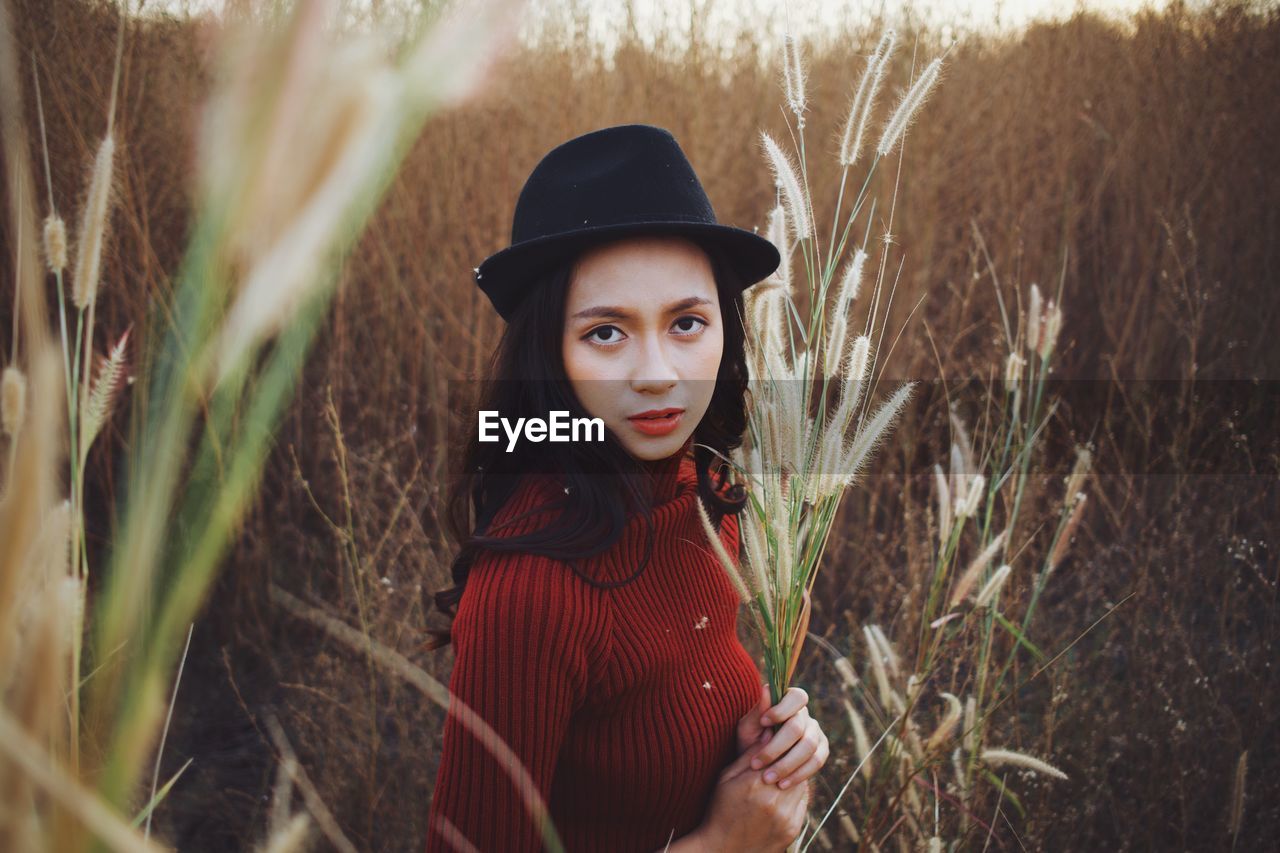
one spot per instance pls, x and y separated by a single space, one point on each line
643 340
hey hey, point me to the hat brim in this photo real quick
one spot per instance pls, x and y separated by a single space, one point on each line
506 275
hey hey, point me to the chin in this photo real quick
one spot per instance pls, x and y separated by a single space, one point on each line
648 449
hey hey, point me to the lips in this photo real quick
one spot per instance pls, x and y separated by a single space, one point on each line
657 421
656 413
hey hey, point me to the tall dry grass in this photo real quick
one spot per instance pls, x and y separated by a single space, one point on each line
1132 161
278 193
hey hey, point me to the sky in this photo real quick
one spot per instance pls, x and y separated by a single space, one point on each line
771 17
808 18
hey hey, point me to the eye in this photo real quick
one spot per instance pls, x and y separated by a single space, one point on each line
689 325
604 335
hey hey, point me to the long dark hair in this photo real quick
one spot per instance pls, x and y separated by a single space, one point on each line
603 483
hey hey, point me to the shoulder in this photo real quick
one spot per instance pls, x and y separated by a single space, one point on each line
535 502
514 600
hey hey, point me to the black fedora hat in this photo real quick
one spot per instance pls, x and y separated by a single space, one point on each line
610 183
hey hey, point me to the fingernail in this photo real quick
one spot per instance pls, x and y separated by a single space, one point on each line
770 776
755 763
784 783
768 734
764 721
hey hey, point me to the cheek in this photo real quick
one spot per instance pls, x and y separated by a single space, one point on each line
582 362
703 367
588 373
704 359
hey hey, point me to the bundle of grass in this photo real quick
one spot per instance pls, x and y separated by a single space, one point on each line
810 435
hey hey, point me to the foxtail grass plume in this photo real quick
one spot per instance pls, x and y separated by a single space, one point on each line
793 195
838 328
962 782
966 481
756 551
907 107
968 507
1051 327
1035 308
93 226
851 281
793 75
833 452
964 475
1079 471
874 433
847 676
102 392
997 757
850 831
1236 816
830 478
858 363
13 400
992 587
876 655
1044 322
460 53
947 726
1064 540
860 740
55 243
945 508
713 537
741 580
855 124
777 234
833 353
1013 371
764 312
320 160
980 562
886 649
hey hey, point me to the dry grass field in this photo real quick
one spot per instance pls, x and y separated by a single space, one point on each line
1135 163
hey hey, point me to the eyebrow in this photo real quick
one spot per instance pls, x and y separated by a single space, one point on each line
612 312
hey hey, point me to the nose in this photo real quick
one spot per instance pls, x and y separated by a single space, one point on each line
654 372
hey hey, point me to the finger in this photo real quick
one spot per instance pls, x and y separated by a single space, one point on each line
792 701
783 739
792 761
803 773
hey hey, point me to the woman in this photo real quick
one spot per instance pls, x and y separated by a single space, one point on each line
594 629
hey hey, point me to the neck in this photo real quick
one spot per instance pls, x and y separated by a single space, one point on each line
665 473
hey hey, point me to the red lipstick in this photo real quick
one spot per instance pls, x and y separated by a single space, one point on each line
657 421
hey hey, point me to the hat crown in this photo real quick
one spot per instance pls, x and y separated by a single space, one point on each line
630 173
612 183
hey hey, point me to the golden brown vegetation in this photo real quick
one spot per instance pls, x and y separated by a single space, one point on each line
1135 163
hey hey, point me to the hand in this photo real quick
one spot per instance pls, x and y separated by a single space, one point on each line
799 741
748 815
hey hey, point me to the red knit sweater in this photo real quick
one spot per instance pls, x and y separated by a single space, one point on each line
622 703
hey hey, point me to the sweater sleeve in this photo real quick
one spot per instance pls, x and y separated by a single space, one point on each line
528 633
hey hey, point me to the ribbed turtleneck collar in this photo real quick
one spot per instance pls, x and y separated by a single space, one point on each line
666 473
